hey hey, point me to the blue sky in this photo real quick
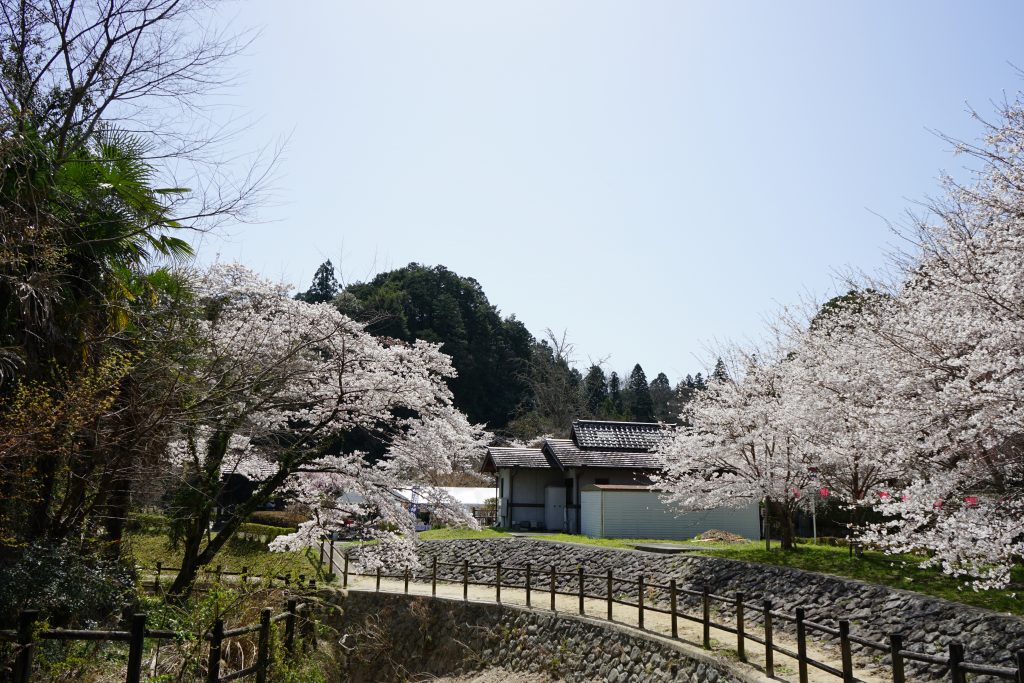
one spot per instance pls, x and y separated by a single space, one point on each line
649 176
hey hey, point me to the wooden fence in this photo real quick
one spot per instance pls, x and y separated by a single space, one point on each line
26 636
617 589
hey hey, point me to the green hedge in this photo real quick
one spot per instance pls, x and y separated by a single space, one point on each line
263 532
278 518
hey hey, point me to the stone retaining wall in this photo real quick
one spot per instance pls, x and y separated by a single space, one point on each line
928 624
388 637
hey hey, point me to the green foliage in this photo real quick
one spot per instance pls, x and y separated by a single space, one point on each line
640 404
490 353
324 287
661 398
68 586
595 390
264 532
279 518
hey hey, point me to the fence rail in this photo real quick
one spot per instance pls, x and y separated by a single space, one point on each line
26 637
540 580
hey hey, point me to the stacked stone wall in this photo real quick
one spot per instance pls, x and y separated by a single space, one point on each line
927 624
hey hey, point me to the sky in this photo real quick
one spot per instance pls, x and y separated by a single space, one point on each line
654 178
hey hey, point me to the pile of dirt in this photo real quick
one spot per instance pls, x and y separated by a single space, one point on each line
721 536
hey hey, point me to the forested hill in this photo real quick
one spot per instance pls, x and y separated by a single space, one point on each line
506 378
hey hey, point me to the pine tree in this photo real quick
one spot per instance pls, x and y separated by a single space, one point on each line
324 286
595 390
640 403
615 394
698 383
720 374
661 397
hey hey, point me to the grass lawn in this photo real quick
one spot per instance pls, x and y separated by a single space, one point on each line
896 571
452 534
148 548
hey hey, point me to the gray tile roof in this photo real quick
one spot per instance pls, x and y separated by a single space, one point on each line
534 458
618 436
569 455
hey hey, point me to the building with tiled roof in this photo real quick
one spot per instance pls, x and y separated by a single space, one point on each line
598 482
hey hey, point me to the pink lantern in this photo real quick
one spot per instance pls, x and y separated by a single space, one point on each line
796 493
904 498
937 504
823 492
884 495
972 501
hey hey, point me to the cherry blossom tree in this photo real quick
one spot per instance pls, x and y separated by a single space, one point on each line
737 447
275 383
906 395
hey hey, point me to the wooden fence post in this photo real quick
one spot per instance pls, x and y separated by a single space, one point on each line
956 658
769 646
610 581
263 656
220 572
407 580
465 579
497 582
156 582
672 607
741 637
322 552
289 627
23 664
845 652
213 663
705 601
801 644
640 602
580 571
1020 666
331 562
433 577
135 646
895 645
344 578
552 588
378 579
527 584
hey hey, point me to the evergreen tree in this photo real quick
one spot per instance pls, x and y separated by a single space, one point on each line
720 374
640 404
661 397
595 390
699 384
615 395
491 354
324 287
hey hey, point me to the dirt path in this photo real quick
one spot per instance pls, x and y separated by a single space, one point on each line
723 643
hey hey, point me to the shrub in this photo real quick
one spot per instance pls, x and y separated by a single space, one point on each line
67 586
279 518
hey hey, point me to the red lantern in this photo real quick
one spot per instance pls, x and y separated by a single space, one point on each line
884 495
972 501
823 492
